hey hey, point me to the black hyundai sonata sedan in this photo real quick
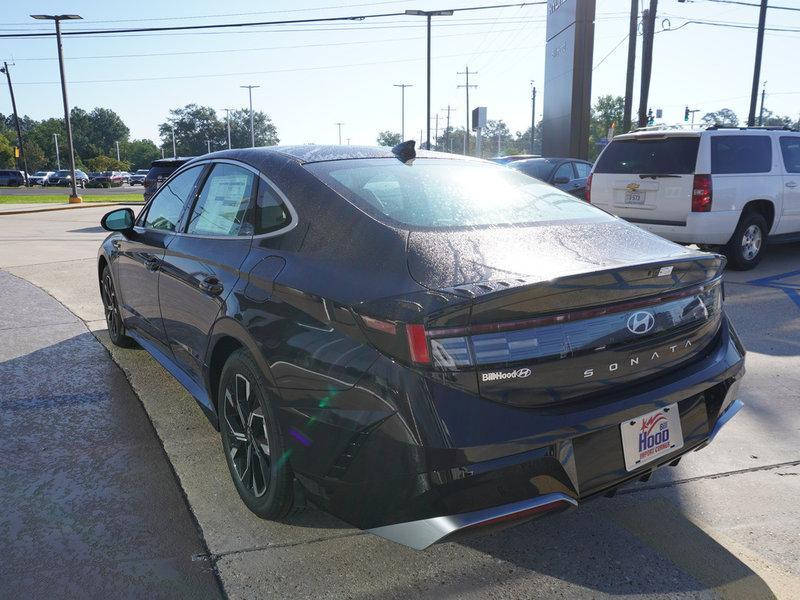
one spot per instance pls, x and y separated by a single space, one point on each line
419 343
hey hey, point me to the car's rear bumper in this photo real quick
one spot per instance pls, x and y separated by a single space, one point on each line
712 228
496 463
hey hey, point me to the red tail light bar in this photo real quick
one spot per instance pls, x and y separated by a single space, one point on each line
701 193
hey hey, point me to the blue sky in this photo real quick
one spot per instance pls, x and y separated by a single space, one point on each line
313 76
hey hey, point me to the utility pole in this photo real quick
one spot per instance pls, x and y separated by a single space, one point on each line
58 158
626 115
339 125
498 145
449 137
228 124
73 198
174 151
436 133
466 87
348 141
117 146
533 116
252 122
761 112
649 24
5 70
403 87
762 19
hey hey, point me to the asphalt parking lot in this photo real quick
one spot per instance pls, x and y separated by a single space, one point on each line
51 190
724 523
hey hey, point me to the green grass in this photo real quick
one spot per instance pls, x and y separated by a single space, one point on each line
62 198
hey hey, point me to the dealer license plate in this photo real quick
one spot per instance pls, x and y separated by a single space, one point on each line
634 198
647 438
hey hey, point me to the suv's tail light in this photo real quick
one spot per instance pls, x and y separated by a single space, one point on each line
701 193
588 195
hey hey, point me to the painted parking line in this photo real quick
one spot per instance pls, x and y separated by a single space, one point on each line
778 282
712 559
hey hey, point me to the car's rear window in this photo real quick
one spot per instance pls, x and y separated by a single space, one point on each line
536 167
741 154
660 156
444 193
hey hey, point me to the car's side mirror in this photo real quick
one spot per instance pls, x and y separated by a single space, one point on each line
121 219
560 180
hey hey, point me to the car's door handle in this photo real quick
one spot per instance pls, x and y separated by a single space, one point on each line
211 285
116 244
791 184
152 263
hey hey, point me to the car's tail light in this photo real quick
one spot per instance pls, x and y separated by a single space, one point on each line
701 193
588 195
418 344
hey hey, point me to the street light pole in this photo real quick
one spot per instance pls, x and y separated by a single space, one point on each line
74 198
208 146
228 124
117 145
4 69
252 122
428 14
58 158
339 125
174 151
403 87
533 116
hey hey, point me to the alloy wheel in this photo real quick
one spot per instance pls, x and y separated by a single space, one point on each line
247 434
751 242
110 306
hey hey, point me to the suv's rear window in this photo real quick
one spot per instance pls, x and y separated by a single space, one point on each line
662 156
741 154
445 193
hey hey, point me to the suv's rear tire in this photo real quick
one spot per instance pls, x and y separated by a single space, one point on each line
746 246
108 294
250 431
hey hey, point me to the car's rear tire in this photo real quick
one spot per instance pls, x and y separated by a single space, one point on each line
252 439
746 246
116 329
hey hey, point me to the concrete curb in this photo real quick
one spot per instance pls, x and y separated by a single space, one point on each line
23 211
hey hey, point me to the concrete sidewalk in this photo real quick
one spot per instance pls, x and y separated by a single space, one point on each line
91 507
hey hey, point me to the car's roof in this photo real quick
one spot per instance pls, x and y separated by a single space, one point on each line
311 153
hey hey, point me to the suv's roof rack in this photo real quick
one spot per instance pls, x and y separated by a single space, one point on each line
669 127
745 127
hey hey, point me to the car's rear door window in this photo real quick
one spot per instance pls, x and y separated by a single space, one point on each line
564 171
167 205
668 155
271 212
223 205
582 169
741 154
790 148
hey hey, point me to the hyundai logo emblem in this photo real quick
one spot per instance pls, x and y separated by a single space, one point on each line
524 372
641 322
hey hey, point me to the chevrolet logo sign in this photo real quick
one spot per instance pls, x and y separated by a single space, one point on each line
632 187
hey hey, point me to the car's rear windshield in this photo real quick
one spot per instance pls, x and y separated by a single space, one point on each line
671 155
535 167
443 193
161 171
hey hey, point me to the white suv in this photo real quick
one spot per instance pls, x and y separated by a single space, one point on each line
727 189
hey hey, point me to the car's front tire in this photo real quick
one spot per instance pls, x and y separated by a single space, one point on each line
252 439
116 329
746 246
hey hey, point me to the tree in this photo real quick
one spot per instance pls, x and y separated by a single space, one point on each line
106 163
389 138
265 131
607 111
140 153
770 119
496 139
723 116
6 153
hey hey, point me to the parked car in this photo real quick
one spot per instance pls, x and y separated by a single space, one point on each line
64 177
93 175
567 174
40 178
138 177
727 189
126 177
9 178
159 172
368 332
108 179
504 160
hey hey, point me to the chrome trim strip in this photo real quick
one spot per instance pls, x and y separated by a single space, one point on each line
425 532
730 412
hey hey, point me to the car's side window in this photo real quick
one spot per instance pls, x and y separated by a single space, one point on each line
582 169
165 209
741 154
271 213
224 203
564 170
790 148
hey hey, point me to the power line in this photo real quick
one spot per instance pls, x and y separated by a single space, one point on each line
740 3
250 23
